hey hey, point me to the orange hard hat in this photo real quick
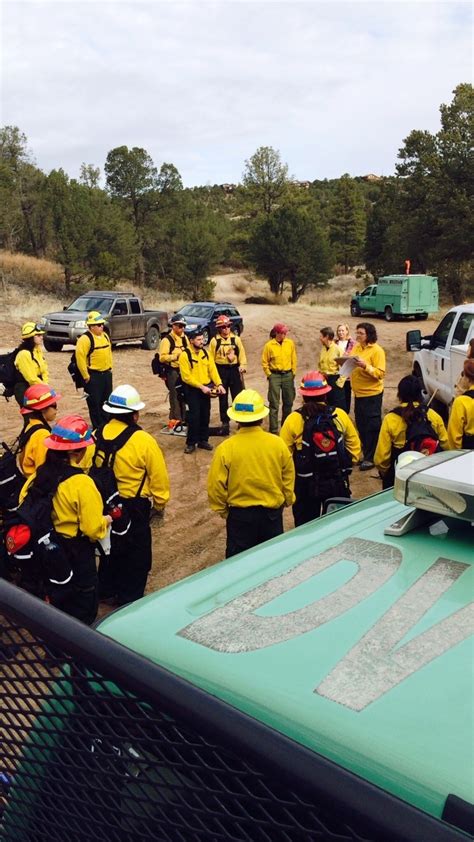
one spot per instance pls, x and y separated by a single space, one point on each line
314 384
38 396
223 321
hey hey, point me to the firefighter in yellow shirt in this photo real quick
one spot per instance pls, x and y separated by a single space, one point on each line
332 445
330 352
393 432
461 419
94 361
40 410
228 353
143 484
367 381
77 516
201 379
29 360
171 347
251 477
279 364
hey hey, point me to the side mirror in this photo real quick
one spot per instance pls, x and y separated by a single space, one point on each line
413 342
357 292
65 307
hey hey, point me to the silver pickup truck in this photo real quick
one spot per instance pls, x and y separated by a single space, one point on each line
126 320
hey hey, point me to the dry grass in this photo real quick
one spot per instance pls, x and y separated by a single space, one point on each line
30 272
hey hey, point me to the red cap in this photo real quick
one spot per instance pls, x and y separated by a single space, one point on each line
17 537
279 328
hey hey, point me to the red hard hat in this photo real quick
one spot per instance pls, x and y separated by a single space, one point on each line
314 384
17 537
279 327
38 396
70 433
223 321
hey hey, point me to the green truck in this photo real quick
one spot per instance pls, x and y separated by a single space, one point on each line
398 296
317 687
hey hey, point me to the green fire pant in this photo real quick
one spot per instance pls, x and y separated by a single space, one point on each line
280 382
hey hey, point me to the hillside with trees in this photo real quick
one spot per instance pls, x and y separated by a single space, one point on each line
136 221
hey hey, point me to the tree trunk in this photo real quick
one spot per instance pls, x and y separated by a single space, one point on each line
67 278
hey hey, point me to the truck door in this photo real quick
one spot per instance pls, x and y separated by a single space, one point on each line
120 322
438 359
367 298
138 326
463 332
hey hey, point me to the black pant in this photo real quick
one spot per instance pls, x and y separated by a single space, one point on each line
98 390
307 505
338 394
231 381
247 527
79 598
199 406
368 418
123 574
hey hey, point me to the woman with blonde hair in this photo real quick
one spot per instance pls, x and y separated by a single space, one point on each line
346 343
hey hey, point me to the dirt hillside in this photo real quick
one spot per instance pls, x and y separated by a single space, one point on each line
190 537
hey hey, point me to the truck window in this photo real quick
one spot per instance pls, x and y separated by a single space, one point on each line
367 291
374 291
440 336
120 308
461 330
135 305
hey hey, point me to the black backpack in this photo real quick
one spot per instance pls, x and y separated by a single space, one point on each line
11 478
162 369
323 459
73 368
420 435
37 560
9 375
102 472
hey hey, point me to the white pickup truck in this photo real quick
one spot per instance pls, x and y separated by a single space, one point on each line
439 358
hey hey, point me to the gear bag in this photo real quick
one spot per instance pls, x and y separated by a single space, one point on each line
102 472
9 375
420 435
162 369
323 459
11 478
73 368
38 561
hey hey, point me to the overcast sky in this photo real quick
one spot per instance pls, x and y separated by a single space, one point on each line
336 87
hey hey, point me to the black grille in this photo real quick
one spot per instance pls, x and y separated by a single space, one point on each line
85 758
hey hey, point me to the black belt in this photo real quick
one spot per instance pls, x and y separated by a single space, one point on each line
99 370
280 371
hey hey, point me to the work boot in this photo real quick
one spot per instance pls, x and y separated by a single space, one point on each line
180 429
190 448
225 430
366 465
204 445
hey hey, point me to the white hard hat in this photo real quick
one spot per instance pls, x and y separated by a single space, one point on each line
123 399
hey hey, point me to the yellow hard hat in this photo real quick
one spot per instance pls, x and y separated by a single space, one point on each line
248 406
95 318
30 329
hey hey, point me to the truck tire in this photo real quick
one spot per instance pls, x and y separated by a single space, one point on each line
152 338
355 309
388 314
49 345
423 316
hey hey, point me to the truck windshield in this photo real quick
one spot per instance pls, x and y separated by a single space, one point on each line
86 303
197 311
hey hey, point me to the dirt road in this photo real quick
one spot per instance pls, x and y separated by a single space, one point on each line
190 537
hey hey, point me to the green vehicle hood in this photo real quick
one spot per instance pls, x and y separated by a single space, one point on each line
350 642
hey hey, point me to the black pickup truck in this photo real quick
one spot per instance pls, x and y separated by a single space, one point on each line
126 320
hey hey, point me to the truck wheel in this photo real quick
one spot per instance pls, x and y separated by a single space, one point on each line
151 339
423 316
355 309
49 345
388 314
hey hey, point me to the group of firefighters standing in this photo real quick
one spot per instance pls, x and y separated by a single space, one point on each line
253 475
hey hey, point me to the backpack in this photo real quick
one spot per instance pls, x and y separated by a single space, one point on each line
233 345
323 459
420 435
9 375
161 369
73 368
103 475
11 478
37 560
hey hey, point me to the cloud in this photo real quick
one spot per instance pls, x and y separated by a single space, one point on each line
336 87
